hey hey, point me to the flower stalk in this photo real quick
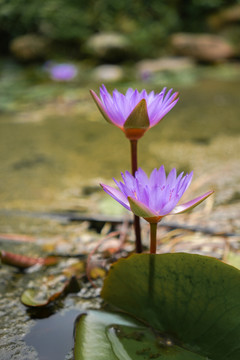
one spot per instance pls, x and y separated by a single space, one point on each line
137 225
153 238
134 160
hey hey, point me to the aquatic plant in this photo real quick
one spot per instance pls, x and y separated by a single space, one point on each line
173 307
134 113
61 72
177 306
154 197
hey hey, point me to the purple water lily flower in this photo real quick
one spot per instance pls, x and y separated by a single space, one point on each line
135 112
154 197
62 72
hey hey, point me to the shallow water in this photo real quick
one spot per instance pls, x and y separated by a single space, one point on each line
53 337
49 152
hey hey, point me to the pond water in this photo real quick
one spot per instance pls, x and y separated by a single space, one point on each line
53 338
53 154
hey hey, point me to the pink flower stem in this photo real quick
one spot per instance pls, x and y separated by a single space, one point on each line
137 226
153 238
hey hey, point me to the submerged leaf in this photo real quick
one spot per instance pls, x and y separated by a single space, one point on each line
102 335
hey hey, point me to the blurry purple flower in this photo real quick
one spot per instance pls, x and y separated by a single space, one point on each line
154 197
135 112
62 72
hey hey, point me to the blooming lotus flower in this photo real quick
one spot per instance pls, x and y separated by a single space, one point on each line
154 197
135 112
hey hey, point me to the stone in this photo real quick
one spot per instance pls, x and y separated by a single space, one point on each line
148 67
108 73
202 47
108 46
29 47
226 16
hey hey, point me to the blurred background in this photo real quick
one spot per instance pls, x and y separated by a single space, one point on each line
55 145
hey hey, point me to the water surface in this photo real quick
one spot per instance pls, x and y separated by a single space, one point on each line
53 155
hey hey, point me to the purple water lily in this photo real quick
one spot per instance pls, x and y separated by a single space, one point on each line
135 112
62 72
154 197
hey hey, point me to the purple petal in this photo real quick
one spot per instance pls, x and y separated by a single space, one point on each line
169 206
160 114
129 180
167 106
178 180
188 179
154 109
171 179
121 104
117 195
184 184
173 97
163 91
162 176
153 180
126 191
191 204
141 193
143 94
112 110
101 107
135 98
167 96
151 97
129 92
141 177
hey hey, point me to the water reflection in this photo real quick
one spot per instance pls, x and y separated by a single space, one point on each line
52 337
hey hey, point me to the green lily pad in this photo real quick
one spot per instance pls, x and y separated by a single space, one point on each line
102 335
193 299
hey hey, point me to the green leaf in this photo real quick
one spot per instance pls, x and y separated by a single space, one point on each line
192 298
110 336
138 119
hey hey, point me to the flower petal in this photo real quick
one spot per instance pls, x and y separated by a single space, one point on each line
101 107
161 113
190 204
171 179
112 110
141 177
116 195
